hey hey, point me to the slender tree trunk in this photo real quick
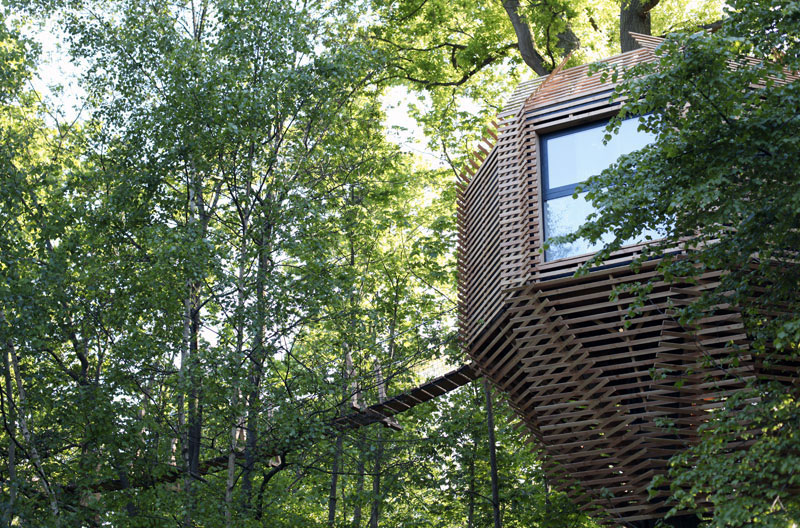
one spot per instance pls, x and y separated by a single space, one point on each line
267 476
471 494
351 388
360 478
251 442
337 460
492 455
185 371
360 470
350 371
23 425
332 498
239 357
375 510
195 396
231 470
184 366
257 361
8 515
190 412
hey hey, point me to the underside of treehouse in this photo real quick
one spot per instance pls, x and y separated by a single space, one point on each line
594 392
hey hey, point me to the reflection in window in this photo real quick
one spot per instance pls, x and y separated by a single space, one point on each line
569 158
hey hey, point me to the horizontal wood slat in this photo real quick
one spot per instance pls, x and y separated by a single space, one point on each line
591 388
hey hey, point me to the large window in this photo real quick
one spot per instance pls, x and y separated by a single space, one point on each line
569 157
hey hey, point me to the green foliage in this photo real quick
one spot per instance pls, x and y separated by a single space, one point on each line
757 482
187 272
195 260
720 182
462 58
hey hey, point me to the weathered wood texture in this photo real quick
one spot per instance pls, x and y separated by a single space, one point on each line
596 394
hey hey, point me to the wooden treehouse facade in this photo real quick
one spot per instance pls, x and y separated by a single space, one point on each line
580 380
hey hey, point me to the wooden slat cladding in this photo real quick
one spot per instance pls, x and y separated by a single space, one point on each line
488 209
499 204
607 401
583 381
478 251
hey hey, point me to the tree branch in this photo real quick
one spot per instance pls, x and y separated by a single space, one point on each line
524 38
465 77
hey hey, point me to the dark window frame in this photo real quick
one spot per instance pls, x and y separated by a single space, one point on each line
563 190
548 193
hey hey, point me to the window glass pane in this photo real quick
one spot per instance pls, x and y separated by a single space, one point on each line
565 215
571 156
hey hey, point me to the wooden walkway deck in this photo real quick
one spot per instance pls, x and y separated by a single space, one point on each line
385 411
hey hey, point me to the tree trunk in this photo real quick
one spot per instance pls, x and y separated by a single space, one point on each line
266 477
360 478
182 374
190 419
471 494
239 359
264 267
231 470
195 396
186 370
492 455
8 514
634 16
23 425
251 442
375 508
332 498
524 38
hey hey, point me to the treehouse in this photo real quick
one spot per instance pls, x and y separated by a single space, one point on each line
580 380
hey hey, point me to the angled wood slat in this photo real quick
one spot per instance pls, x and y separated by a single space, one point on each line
593 390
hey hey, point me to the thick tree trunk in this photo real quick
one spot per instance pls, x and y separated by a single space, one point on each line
567 40
492 455
634 16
